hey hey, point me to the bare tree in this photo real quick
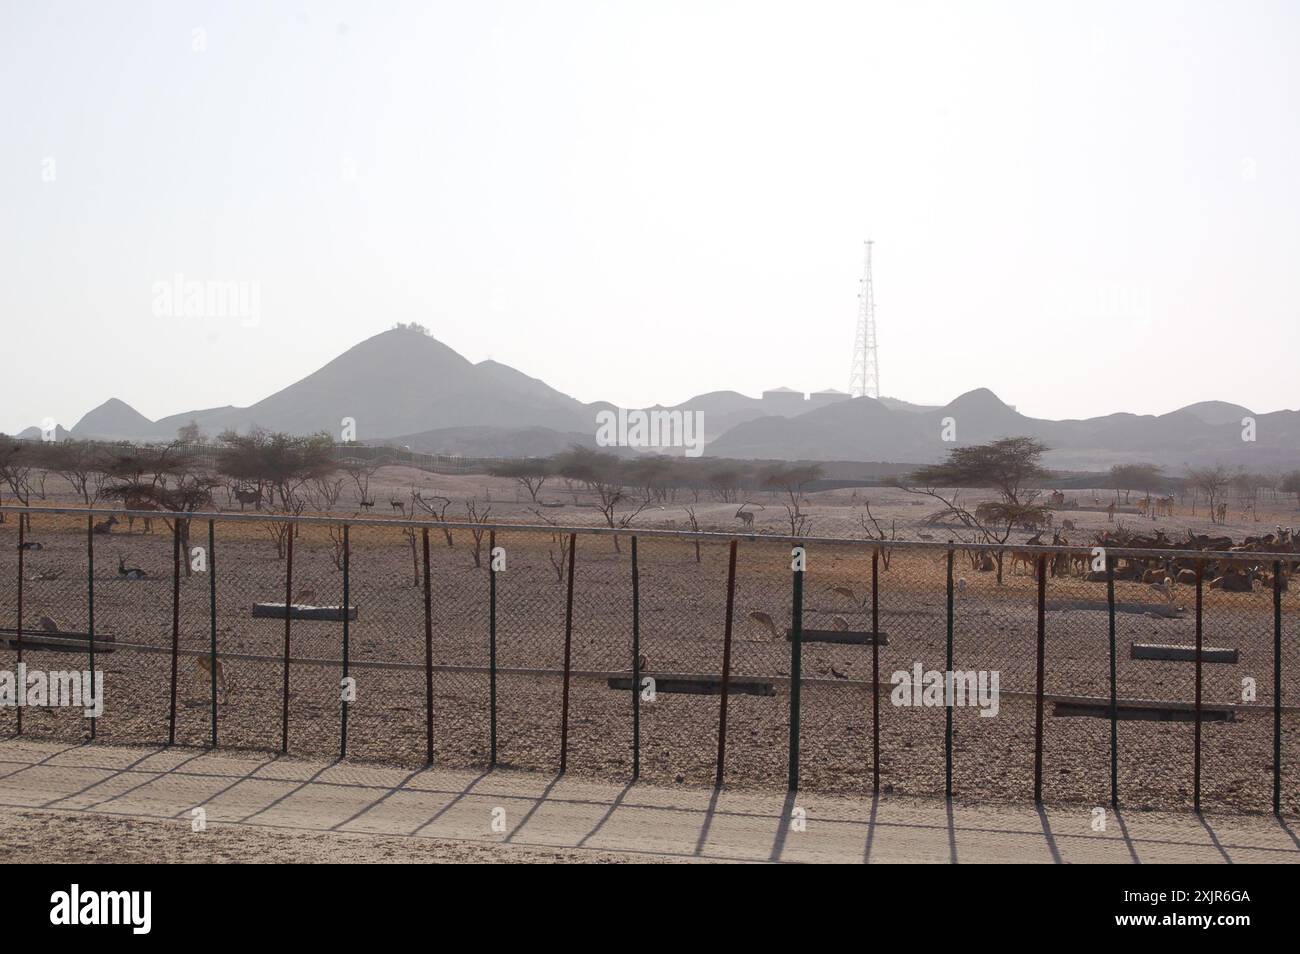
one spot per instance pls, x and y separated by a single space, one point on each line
19 462
435 507
1213 483
876 532
478 515
83 464
790 480
361 470
558 552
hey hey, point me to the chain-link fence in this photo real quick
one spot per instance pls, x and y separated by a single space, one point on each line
1016 673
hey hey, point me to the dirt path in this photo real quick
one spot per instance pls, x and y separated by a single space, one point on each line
99 803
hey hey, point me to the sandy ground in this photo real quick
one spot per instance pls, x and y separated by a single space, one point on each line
106 803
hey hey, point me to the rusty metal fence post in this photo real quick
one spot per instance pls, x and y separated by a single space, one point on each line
347 612
948 688
176 627
1200 629
492 648
90 608
288 620
875 670
428 653
636 666
796 662
212 617
1114 687
568 646
1277 687
1038 681
18 624
726 667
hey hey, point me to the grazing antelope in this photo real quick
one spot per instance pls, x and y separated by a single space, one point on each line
104 526
204 666
398 505
745 516
129 572
367 504
248 497
763 619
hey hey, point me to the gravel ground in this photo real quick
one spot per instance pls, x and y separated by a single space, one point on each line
681 613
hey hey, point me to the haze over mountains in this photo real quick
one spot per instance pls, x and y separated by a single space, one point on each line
407 388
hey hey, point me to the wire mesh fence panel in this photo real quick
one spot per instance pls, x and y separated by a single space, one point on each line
250 562
913 617
314 701
424 681
55 622
1289 735
682 610
459 607
835 747
388 718
758 720
9 584
1237 671
1076 665
995 612
1155 737
531 594
600 717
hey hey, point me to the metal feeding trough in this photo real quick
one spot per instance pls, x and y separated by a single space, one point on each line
699 685
845 636
300 611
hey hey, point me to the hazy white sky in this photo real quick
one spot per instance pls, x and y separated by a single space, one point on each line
1086 207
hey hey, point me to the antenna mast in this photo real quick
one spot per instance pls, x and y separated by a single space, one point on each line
864 378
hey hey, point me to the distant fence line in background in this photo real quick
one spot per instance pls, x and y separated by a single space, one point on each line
1042 558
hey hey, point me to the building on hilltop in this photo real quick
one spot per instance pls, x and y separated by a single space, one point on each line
783 401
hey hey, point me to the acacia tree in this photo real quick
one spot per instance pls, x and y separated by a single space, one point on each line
605 476
1130 477
281 465
179 488
529 473
1007 467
